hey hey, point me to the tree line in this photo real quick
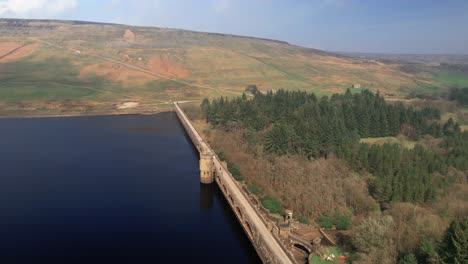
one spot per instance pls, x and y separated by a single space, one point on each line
299 123
460 95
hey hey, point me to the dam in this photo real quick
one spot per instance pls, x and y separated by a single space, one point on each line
260 231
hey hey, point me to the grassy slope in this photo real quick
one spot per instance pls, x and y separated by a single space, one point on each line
452 79
50 76
396 140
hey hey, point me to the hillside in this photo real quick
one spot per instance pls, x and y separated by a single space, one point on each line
60 67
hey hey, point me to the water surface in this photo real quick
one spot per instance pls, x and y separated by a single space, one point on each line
113 188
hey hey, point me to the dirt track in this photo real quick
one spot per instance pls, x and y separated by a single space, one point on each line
143 70
13 53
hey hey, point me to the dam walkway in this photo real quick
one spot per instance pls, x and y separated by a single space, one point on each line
258 229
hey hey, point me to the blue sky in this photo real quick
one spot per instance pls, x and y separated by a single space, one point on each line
398 26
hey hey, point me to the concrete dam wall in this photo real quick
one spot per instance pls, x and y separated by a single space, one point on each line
258 230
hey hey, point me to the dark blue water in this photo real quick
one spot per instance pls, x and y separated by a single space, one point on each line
120 189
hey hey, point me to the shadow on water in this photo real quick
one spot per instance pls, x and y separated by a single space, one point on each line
236 227
211 192
206 195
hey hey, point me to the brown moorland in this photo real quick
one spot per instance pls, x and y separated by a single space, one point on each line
164 64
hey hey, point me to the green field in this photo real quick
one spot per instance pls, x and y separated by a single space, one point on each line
451 79
317 260
435 81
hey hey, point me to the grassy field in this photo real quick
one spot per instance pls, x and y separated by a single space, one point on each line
317 260
447 116
460 116
441 81
42 76
451 79
398 140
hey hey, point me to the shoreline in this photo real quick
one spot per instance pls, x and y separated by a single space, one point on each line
86 114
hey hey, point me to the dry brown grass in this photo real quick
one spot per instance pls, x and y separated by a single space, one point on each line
163 64
6 47
18 54
117 73
401 140
332 90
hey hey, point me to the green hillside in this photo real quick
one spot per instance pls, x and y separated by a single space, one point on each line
60 67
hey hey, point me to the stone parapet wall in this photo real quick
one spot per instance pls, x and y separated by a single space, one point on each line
258 230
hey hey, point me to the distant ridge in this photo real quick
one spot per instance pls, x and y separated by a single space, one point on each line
80 22
410 57
73 22
18 22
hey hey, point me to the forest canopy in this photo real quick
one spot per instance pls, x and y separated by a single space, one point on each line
299 123
312 154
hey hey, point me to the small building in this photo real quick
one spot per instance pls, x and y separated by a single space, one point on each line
288 216
356 85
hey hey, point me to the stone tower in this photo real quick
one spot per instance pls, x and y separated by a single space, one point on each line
206 168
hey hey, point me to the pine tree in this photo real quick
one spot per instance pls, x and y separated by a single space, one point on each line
408 259
454 246
276 141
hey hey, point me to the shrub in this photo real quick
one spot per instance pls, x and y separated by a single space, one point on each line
221 156
408 259
342 221
324 222
304 220
251 88
235 172
373 239
428 250
231 168
254 189
273 205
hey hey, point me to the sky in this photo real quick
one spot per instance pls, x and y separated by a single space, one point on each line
373 26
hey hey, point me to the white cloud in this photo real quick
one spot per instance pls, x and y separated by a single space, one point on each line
35 8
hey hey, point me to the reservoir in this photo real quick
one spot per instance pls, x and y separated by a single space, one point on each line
110 188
